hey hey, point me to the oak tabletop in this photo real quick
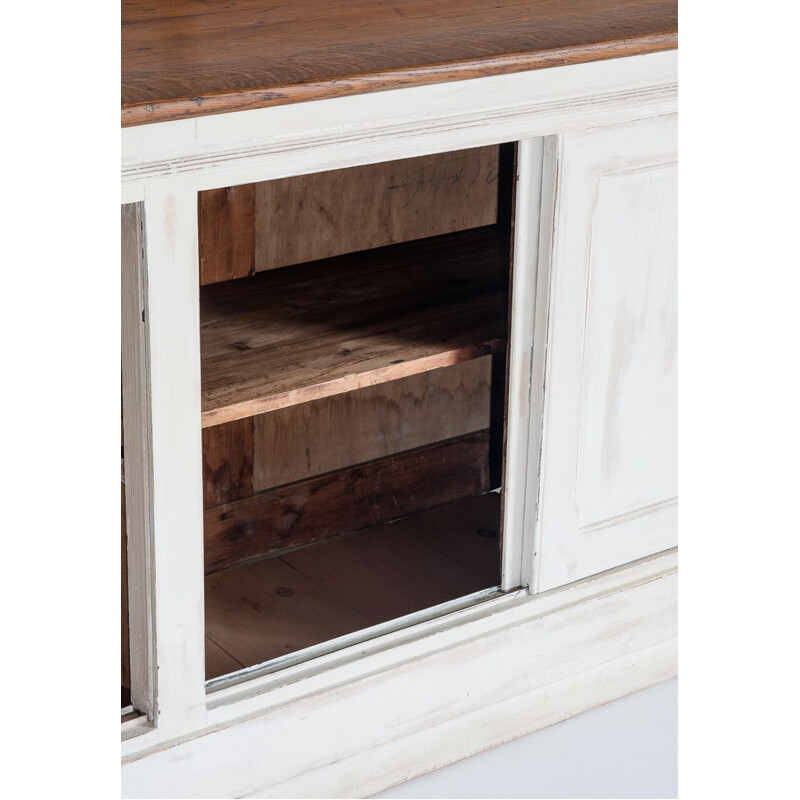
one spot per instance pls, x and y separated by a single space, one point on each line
189 58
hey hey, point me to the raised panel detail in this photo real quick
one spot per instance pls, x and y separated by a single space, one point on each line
608 469
627 450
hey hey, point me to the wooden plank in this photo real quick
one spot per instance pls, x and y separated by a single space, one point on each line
467 532
190 58
218 661
226 233
266 609
300 333
339 502
302 441
228 462
387 572
274 606
346 210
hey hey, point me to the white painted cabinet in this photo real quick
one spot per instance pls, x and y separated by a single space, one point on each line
608 461
590 470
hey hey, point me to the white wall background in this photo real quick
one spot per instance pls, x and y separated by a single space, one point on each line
626 749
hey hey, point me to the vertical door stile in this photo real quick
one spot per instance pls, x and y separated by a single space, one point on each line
549 199
173 327
138 480
515 566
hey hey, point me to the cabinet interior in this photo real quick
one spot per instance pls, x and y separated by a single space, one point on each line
353 331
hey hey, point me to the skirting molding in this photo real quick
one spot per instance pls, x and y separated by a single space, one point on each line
545 659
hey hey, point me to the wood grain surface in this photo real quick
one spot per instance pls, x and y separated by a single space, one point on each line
324 214
265 609
468 532
302 441
297 334
189 58
218 661
329 505
227 235
388 573
228 455
260 226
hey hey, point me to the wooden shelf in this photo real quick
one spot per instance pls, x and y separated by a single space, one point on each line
189 58
297 334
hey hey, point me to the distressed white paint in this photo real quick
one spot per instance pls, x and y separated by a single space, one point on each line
608 468
550 176
173 326
580 646
247 146
516 566
136 726
138 466
357 720
498 723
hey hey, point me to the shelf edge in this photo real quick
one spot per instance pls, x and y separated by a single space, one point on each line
305 394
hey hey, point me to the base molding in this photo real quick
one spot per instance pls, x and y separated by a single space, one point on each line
474 733
543 662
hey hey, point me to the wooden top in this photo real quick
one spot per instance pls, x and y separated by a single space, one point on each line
189 58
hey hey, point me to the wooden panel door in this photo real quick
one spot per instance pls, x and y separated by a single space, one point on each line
608 469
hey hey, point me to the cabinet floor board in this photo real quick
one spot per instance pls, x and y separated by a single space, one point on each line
386 573
468 533
275 606
266 609
218 662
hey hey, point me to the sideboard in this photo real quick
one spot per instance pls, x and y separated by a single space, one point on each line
392 269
